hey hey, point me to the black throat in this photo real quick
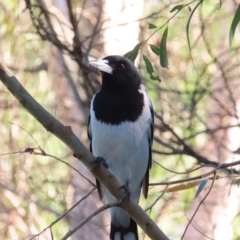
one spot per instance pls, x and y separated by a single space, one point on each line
115 107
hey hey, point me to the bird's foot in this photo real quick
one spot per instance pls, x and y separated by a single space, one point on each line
127 192
98 161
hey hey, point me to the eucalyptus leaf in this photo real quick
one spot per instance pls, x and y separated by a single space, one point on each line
236 20
177 8
155 78
132 55
201 187
238 182
187 31
220 4
150 69
155 49
151 26
148 64
163 49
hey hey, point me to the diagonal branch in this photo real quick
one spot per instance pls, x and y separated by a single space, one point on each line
65 134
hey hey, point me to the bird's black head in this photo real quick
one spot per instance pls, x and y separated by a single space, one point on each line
118 73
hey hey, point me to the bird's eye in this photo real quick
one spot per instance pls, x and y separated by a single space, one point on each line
121 66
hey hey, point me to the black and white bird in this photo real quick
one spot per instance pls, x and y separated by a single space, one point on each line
121 131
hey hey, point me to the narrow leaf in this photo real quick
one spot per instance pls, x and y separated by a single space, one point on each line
201 187
155 78
148 64
163 50
128 54
187 31
151 26
155 49
184 186
215 178
220 4
150 69
238 182
177 8
234 24
189 9
132 55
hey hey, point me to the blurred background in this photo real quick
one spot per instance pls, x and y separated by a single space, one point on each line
47 45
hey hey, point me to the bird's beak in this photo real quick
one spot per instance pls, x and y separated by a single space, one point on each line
101 65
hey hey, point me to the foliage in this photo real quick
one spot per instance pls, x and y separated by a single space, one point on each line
196 106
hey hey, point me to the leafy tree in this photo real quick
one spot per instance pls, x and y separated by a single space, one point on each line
188 58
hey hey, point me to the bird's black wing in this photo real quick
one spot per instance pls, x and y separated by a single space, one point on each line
145 182
89 132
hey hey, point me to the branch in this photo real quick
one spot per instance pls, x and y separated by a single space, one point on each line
64 214
220 166
199 206
65 134
85 220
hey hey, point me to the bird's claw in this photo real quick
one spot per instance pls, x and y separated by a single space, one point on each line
126 194
98 161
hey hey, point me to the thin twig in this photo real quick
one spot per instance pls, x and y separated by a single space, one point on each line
157 199
199 205
220 166
189 171
89 217
197 229
64 214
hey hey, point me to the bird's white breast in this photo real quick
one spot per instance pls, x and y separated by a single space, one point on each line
125 147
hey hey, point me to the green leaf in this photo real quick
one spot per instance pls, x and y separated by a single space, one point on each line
177 8
132 55
163 49
236 20
238 182
201 187
128 54
189 9
148 64
150 69
155 78
151 26
187 31
155 49
220 4
214 178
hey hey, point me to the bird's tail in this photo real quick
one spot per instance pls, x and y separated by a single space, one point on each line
124 233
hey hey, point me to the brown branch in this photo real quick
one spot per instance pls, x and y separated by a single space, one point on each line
197 229
65 134
42 152
157 199
188 150
220 166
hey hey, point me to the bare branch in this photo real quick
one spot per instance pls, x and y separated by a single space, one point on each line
220 166
64 214
89 217
199 205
